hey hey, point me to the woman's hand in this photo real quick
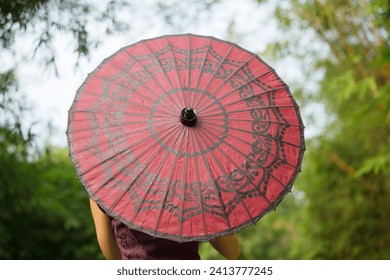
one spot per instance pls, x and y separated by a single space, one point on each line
228 246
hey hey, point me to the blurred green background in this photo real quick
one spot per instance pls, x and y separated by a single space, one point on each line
340 205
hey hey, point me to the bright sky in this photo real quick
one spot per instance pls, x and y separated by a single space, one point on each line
52 96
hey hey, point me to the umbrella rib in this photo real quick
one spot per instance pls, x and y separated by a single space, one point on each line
152 77
168 185
95 143
125 113
161 68
120 151
132 92
270 173
259 106
186 102
225 95
266 136
253 56
185 184
125 166
256 162
200 193
160 119
227 175
115 174
215 72
128 113
201 70
245 120
254 80
251 132
175 67
250 144
249 109
238 151
265 198
226 79
215 185
143 83
154 177
124 134
141 171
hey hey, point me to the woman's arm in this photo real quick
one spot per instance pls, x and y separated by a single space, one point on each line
105 236
227 246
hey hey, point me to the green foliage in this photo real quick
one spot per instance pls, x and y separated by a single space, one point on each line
72 233
339 206
269 238
16 16
44 211
344 217
345 179
47 19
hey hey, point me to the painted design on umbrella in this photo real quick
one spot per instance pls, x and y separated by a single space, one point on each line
185 137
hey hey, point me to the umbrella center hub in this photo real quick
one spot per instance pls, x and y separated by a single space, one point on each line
188 116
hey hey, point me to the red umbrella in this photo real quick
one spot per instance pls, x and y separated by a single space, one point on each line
185 137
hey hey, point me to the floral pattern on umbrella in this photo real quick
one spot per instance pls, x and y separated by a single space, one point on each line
191 180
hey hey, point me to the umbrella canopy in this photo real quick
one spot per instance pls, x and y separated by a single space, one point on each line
185 137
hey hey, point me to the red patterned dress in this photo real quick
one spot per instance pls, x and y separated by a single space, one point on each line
136 245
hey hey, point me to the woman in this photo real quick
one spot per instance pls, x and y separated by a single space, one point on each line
119 242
